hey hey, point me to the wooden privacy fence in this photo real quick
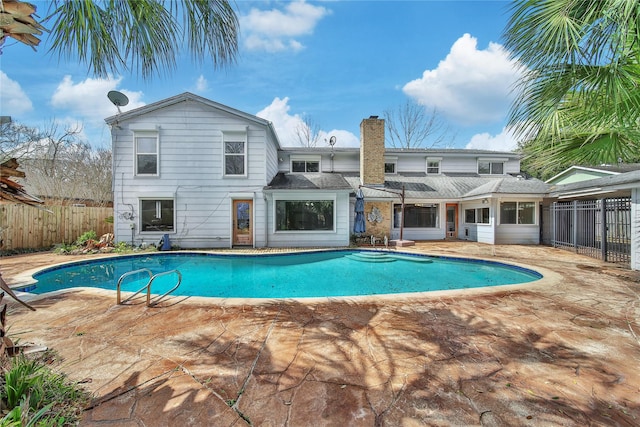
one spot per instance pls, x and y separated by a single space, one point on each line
25 227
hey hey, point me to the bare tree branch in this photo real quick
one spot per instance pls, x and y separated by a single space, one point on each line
57 163
410 125
308 131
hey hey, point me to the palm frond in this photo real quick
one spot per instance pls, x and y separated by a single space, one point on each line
145 36
579 99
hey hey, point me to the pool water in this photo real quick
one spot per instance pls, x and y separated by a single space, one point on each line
297 275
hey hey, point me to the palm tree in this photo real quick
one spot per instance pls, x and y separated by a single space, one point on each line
579 99
112 36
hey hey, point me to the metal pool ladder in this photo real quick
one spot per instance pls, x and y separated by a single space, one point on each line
152 277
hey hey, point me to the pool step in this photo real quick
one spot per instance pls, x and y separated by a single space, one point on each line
420 259
370 257
386 257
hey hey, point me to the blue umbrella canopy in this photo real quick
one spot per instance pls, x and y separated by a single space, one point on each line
359 225
359 201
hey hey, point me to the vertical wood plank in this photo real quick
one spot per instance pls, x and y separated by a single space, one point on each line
25 227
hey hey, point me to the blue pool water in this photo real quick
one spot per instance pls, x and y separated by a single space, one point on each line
311 274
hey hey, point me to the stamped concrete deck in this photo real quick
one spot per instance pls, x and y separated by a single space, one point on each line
564 351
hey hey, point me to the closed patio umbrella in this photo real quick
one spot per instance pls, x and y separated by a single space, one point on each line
359 225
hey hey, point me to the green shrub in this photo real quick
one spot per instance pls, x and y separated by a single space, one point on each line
64 248
122 247
35 395
87 235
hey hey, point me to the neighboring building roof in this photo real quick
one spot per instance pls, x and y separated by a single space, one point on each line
584 173
622 181
187 96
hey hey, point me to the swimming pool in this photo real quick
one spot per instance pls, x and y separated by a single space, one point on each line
292 275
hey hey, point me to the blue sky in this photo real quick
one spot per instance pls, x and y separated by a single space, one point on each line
335 62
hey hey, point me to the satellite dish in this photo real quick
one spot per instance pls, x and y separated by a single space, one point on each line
118 99
332 141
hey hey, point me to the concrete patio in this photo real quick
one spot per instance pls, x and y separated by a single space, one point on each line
562 351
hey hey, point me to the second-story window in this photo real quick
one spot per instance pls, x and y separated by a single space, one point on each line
146 153
235 154
390 167
433 167
490 168
305 166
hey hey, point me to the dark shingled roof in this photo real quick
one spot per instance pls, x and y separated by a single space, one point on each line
308 181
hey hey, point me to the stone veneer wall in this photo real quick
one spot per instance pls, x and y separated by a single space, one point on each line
378 229
372 151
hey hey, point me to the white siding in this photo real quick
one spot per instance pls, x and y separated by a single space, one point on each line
459 164
517 234
416 163
346 162
191 173
271 161
486 233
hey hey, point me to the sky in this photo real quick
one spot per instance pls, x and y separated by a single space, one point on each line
331 62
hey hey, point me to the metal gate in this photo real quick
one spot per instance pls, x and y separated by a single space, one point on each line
597 228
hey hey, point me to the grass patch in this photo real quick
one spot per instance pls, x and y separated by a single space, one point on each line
34 395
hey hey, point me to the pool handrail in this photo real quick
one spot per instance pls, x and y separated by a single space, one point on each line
159 298
131 273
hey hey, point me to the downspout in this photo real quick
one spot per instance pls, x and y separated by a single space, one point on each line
266 221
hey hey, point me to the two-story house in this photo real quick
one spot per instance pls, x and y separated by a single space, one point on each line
207 175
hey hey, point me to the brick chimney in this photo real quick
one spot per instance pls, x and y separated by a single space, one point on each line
372 151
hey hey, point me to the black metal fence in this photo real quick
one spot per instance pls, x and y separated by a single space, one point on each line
597 228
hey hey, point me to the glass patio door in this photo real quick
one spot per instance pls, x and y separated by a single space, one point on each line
452 221
242 223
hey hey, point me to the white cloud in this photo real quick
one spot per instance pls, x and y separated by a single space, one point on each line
88 98
470 85
504 141
344 138
277 30
13 100
202 85
286 124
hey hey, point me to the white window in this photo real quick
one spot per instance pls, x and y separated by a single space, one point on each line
416 215
517 213
146 153
157 215
235 154
486 167
305 166
433 166
390 167
476 216
305 215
